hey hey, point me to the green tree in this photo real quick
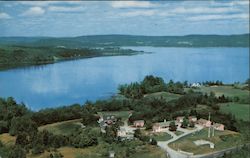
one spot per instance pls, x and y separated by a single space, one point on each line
247 81
22 139
185 123
38 149
138 133
3 127
191 124
88 118
172 126
153 142
1 144
17 152
56 155
23 124
84 138
149 125
111 133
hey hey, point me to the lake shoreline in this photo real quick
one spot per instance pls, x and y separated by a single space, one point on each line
28 65
75 81
15 57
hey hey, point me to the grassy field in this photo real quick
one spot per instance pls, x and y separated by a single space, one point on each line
222 140
178 133
147 151
7 139
150 152
70 152
229 91
165 95
123 114
241 111
161 136
64 128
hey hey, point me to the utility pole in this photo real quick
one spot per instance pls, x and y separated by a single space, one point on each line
209 128
213 131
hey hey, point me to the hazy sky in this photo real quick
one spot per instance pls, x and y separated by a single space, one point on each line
76 18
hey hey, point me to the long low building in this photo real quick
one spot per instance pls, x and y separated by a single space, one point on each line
161 126
218 126
204 122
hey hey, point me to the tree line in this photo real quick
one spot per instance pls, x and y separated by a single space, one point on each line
150 84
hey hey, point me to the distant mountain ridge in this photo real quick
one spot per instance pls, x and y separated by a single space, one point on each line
241 40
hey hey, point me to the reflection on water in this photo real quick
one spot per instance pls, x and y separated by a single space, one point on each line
96 78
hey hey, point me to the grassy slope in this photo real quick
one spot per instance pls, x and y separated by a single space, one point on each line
161 136
165 95
178 133
241 111
229 91
7 139
64 128
123 114
186 143
148 151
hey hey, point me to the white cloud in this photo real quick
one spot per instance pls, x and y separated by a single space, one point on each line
218 17
65 9
4 16
34 11
199 10
231 3
139 13
48 3
131 4
241 2
38 3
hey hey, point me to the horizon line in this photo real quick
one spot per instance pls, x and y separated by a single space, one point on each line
247 33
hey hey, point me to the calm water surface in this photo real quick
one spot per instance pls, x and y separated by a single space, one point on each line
97 78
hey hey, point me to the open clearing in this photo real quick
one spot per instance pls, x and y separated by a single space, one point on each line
165 95
7 139
99 151
178 133
229 91
222 140
64 127
124 115
241 111
161 136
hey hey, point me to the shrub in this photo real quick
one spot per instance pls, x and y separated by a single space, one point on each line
153 142
17 152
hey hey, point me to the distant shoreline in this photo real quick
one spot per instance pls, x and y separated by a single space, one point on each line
62 55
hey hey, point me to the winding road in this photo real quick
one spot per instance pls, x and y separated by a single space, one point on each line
173 153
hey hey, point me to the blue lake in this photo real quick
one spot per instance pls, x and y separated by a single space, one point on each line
76 81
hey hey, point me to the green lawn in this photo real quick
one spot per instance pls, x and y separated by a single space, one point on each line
7 139
161 136
64 128
123 114
165 95
178 133
222 140
241 111
101 151
229 91
150 152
